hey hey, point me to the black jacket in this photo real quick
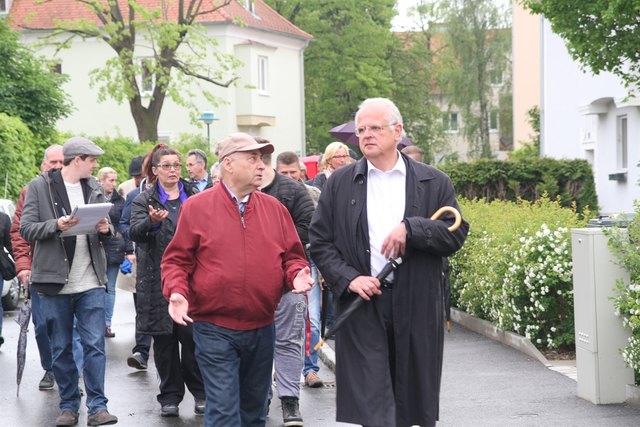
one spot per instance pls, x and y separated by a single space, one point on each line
5 228
152 308
296 199
114 248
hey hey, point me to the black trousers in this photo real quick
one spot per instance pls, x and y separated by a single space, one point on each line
176 363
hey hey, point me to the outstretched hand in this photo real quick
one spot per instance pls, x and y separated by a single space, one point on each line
303 281
178 309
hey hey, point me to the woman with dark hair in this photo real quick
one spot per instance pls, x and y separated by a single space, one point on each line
154 215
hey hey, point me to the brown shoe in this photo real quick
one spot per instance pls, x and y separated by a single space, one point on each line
67 418
108 333
313 380
101 418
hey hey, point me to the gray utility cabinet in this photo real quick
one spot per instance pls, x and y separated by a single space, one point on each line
602 374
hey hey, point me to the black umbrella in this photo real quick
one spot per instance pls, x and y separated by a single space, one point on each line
392 265
23 320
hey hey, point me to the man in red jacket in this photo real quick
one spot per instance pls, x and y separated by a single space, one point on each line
224 270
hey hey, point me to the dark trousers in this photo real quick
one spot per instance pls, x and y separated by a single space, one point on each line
236 367
177 368
143 342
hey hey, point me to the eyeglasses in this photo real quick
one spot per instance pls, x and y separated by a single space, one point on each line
374 129
340 157
169 166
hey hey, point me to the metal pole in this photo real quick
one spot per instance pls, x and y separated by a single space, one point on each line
6 183
208 138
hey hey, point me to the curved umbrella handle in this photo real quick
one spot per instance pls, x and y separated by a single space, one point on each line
451 210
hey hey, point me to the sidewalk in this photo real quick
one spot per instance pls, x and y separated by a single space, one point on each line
488 383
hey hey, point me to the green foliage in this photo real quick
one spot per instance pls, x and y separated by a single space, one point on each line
521 284
412 64
28 88
569 181
118 153
600 34
346 63
17 155
625 245
478 42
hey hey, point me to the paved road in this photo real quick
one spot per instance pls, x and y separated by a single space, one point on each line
484 384
131 393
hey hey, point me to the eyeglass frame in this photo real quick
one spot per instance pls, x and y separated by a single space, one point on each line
168 166
376 130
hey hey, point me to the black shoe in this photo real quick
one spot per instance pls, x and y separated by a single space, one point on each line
199 407
291 412
48 381
170 410
137 361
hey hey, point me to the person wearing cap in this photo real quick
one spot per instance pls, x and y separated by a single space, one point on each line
69 273
135 172
234 253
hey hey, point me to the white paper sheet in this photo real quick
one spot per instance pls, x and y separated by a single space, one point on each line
89 216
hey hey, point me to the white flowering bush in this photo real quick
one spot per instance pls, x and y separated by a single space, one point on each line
519 280
537 288
626 246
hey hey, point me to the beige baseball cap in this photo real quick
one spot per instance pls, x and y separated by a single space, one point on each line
240 141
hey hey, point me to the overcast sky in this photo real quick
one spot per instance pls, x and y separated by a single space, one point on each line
402 23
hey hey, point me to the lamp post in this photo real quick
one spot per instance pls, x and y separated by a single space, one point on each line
208 117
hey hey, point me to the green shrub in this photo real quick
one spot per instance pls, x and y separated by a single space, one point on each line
626 247
568 181
515 267
18 149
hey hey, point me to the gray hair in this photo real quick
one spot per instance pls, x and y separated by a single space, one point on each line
51 148
201 157
393 112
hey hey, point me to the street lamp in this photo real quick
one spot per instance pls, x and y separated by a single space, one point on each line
208 117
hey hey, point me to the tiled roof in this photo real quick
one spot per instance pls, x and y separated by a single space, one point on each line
42 14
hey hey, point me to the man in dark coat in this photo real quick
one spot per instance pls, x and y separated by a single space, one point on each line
389 352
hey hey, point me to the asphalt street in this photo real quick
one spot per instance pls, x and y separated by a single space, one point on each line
484 383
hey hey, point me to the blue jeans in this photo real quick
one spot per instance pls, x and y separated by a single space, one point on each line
59 312
42 336
236 369
110 295
314 298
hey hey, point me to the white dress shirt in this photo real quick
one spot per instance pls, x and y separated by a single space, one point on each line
386 193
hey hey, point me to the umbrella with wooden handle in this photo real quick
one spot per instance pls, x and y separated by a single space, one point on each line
391 265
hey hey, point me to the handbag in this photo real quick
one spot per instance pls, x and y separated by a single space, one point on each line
7 266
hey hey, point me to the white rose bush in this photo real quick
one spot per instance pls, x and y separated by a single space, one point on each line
515 268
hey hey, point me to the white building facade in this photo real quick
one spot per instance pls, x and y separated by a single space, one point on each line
590 117
267 99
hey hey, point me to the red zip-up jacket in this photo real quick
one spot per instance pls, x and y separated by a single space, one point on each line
21 248
232 269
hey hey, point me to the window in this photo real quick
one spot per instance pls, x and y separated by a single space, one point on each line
450 122
3 6
493 121
57 67
263 74
621 142
146 78
250 6
495 76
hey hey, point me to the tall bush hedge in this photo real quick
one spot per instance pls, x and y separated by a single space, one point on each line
18 149
569 181
515 268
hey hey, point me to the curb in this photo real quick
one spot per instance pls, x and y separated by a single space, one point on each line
489 330
482 327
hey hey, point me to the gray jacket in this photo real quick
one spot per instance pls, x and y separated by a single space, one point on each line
52 256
